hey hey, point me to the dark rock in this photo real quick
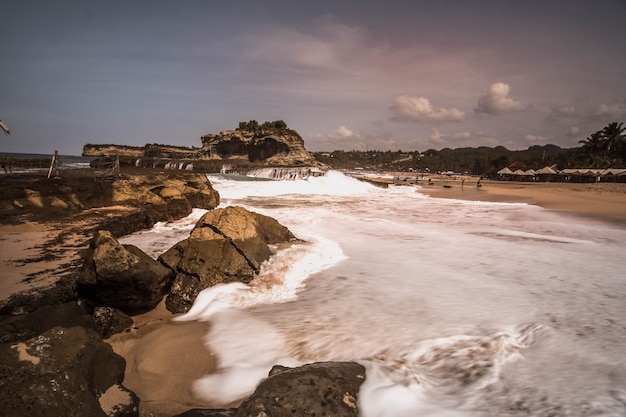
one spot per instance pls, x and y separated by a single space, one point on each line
60 292
250 232
201 412
26 326
68 372
122 276
110 320
226 245
318 389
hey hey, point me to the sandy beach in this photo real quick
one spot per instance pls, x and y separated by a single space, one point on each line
163 357
606 201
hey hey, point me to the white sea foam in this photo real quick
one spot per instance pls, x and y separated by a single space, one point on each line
389 277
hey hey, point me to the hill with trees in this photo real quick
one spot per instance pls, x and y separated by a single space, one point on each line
605 148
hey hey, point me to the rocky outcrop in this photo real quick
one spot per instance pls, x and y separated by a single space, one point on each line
96 150
226 245
272 147
64 372
318 389
122 276
155 197
253 146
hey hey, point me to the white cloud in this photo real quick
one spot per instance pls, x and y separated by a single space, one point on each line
344 132
610 111
497 101
420 109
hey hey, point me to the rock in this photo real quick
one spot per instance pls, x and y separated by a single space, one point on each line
247 147
110 320
201 412
68 372
122 276
146 198
226 245
26 326
318 389
272 147
250 232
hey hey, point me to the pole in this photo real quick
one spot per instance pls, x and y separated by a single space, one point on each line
54 164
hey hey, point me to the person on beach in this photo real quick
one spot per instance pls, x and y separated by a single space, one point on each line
462 182
478 184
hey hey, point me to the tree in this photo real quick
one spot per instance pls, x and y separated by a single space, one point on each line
613 136
593 143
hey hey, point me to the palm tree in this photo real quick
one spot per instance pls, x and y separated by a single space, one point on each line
614 137
593 143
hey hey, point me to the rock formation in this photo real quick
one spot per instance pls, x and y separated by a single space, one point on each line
226 245
122 276
64 372
250 146
318 389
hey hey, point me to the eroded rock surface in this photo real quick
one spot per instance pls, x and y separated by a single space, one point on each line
63 372
318 389
226 245
122 276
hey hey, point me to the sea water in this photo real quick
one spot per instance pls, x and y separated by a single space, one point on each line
455 308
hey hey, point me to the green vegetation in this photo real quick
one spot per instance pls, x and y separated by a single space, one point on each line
604 149
254 126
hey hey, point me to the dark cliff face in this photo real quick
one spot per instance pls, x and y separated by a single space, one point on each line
282 147
260 150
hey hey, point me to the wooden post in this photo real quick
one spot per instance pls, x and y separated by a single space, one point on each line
54 165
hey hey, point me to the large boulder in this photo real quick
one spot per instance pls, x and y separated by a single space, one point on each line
226 245
122 276
64 372
318 389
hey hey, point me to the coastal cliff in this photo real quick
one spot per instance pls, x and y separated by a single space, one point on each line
250 146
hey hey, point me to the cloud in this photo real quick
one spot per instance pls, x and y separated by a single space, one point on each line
344 133
611 111
498 102
573 131
420 109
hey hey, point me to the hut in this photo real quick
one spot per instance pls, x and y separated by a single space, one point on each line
545 173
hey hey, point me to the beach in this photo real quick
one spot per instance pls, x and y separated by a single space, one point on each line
605 201
164 358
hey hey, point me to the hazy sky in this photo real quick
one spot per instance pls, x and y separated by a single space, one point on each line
388 75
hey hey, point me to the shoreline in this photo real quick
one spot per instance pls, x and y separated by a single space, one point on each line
163 357
599 201
605 202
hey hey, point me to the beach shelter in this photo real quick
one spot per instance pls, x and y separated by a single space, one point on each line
505 171
546 171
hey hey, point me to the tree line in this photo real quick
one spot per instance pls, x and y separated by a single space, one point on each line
603 149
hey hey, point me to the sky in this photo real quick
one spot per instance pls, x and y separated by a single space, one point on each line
347 75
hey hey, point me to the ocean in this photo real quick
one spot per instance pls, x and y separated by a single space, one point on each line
455 308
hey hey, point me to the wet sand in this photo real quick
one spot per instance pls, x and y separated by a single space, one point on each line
163 358
606 201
